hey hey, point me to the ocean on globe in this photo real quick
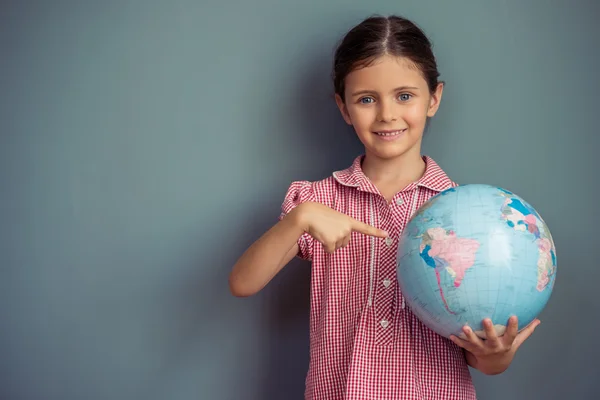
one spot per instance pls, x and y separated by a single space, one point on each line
474 252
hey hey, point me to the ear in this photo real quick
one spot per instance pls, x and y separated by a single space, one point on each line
343 109
434 101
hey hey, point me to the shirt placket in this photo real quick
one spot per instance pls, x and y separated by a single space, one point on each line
387 294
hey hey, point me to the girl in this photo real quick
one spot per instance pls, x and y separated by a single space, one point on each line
364 342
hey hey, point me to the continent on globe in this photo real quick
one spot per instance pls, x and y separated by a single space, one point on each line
441 249
522 217
546 263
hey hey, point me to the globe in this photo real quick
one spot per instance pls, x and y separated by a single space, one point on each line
473 252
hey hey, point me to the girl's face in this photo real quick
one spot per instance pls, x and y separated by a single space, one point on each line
388 104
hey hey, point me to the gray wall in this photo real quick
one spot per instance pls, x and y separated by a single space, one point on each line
144 145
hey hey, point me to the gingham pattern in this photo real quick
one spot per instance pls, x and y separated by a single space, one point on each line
364 342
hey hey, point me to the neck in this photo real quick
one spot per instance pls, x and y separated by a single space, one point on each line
408 167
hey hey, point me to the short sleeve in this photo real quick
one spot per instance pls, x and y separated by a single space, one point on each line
299 192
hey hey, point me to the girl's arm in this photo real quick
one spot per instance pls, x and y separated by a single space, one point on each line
267 256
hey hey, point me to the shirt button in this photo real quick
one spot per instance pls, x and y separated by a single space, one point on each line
387 283
399 201
384 323
388 241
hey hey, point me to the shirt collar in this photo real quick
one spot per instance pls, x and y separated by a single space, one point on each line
434 177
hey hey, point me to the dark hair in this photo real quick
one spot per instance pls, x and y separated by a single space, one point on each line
377 36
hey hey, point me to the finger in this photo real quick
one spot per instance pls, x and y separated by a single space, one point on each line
471 337
525 333
366 229
512 330
490 333
463 343
345 241
329 247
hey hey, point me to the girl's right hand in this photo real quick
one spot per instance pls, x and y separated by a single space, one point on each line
330 227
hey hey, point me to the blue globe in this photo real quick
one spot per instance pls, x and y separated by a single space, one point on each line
473 252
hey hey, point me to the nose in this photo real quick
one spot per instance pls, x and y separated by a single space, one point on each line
386 112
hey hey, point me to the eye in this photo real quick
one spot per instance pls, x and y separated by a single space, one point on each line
366 100
405 97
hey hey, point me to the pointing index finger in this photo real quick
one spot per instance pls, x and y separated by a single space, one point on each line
367 229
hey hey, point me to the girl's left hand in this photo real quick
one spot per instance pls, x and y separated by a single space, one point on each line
495 353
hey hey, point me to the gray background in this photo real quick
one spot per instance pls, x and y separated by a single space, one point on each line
145 144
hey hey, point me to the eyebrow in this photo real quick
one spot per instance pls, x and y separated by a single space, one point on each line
398 89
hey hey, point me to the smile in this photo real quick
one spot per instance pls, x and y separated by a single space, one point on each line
390 133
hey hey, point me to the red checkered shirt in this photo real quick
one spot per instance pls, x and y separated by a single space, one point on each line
365 343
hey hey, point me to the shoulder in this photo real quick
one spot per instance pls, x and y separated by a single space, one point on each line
304 190
327 189
435 178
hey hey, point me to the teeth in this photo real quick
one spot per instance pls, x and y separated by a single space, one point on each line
390 133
